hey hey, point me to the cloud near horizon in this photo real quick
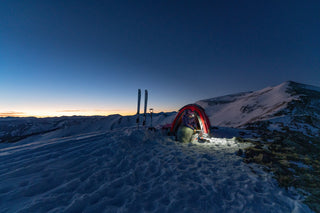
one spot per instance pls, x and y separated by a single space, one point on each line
12 114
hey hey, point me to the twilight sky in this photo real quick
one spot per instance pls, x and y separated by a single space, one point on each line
90 57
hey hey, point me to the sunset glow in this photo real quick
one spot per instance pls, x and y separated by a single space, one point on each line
90 57
48 113
51 112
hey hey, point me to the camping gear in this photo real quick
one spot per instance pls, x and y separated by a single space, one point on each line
186 134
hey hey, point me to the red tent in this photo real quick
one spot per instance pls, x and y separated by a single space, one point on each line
201 117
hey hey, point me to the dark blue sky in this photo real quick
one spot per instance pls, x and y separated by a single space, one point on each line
90 57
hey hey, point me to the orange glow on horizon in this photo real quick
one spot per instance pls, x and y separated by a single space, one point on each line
59 113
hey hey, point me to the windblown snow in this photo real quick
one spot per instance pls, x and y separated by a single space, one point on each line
132 170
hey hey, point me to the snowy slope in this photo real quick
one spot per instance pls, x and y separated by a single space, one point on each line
240 109
135 171
289 104
15 129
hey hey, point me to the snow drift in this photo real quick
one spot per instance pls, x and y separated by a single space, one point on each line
135 171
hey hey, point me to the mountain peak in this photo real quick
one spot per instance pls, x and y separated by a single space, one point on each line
284 101
293 85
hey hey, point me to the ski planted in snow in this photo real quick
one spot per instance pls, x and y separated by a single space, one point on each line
145 106
138 110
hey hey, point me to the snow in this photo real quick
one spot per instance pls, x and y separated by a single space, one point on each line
240 109
130 170
301 165
277 124
105 164
67 126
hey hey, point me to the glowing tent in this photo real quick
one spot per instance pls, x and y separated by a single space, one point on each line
202 120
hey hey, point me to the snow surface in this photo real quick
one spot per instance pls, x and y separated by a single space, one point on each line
47 128
130 170
240 109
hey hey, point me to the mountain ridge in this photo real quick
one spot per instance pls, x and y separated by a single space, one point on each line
290 104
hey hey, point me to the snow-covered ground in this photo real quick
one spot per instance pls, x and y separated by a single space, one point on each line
15 129
130 170
105 164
